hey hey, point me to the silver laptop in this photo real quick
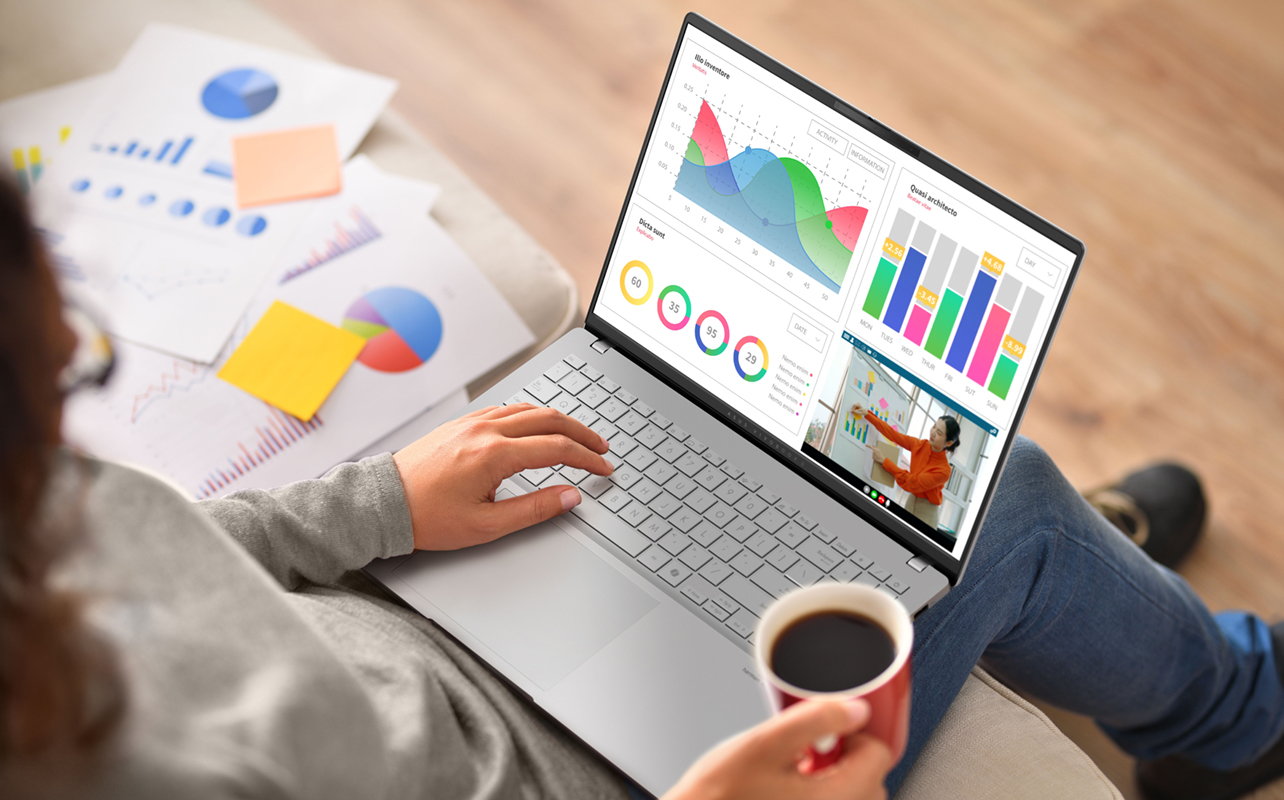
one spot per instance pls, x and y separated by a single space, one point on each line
780 258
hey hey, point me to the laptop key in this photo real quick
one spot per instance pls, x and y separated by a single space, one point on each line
593 396
596 485
604 521
574 474
863 561
591 372
745 562
521 397
670 450
865 579
542 389
897 585
677 433
640 458
650 436
674 542
751 506
660 472
822 555
684 519
612 409
842 547
696 445
824 535
880 573
742 622
574 383
713 458
645 490
625 396
782 558
805 521
803 573
761 543
695 556
718 612
705 532
537 476
575 361
675 572
792 534
625 477
616 498
715 571
558 371
710 478
772 580
660 421
741 529
844 572
771 520
700 500
696 589
720 513
635 513
744 592
733 471
631 422
730 492
725 548
689 464
680 486
655 528
786 509
604 429
642 408
749 483
607 384
586 416
664 504
771 497
654 557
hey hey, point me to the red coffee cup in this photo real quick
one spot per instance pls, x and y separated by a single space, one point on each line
888 694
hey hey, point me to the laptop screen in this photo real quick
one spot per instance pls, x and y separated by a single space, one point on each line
837 291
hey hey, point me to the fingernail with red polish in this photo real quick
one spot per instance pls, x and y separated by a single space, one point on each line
570 499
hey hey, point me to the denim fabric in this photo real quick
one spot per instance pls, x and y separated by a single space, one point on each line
1058 604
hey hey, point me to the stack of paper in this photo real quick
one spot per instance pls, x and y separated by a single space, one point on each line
357 311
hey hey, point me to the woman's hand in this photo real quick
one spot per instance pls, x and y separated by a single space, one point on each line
450 475
766 761
859 409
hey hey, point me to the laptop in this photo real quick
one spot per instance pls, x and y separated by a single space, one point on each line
780 259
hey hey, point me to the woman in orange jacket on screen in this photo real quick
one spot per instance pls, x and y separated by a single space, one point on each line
929 469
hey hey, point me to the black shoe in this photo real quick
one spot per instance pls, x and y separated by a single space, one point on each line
1161 508
1178 778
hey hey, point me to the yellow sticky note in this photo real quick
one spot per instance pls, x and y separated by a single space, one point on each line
293 164
292 360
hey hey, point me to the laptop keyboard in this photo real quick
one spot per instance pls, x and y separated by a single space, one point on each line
686 515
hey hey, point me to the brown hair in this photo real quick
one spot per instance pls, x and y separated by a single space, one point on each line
53 672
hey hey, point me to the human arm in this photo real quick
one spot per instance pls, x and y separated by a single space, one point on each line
889 433
436 494
763 762
933 477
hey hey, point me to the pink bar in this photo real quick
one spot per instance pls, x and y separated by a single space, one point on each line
991 335
917 326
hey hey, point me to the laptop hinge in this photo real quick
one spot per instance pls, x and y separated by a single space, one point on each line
601 345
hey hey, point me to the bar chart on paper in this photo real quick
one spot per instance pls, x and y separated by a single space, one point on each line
957 305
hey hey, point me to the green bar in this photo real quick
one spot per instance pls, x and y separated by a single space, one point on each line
879 288
1003 375
943 326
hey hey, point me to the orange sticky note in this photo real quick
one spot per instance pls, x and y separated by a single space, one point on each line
292 360
286 165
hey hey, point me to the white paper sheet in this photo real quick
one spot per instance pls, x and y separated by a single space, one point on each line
35 127
176 417
141 205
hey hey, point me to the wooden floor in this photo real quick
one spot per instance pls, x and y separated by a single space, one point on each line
1152 130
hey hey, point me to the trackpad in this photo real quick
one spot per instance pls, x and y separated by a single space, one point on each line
539 599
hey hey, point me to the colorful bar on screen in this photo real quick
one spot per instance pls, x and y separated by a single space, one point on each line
1003 375
917 326
879 288
944 324
973 313
988 346
908 280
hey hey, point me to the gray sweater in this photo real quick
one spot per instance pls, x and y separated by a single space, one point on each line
260 664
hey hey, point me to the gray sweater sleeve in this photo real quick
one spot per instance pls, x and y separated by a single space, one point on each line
317 530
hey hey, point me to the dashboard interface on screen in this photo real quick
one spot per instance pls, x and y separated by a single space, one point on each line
803 270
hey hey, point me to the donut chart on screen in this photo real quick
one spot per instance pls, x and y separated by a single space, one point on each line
402 328
673 288
740 359
699 329
636 282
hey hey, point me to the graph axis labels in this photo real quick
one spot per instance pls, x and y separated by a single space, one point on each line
699 327
686 315
629 275
762 370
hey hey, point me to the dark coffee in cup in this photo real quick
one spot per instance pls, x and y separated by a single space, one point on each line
832 651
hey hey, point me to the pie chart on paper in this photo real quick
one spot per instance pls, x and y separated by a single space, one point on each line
239 93
402 328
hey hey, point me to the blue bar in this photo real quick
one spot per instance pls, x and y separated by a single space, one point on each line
164 149
904 291
926 388
977 302
219 168
181 150
146 152
129 151
112 148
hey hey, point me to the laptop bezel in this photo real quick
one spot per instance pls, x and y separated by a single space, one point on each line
794 459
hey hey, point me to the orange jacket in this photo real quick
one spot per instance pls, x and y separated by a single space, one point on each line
929 470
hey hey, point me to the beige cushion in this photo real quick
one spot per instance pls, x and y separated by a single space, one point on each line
992 743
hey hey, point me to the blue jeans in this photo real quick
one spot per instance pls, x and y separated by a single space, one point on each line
1058 604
